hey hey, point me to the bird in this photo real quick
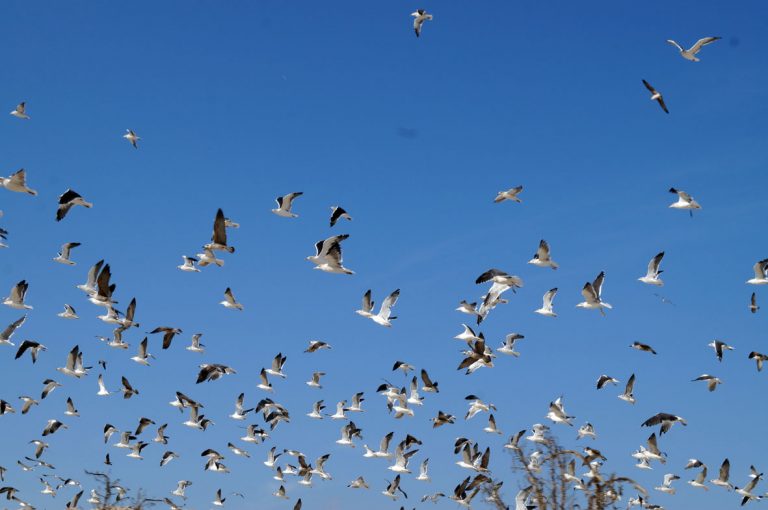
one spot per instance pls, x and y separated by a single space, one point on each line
63 256
52 426
666 485
557 412
338 213
48 386
16 299
546 307
127 389
666 421
315 381
230 301
316 345
690 54
196 346
419 17
68 313
699 481
218 238
711 380
33 347
592 295
285 203
723 475
759 358
142 356
586 430
17 182
652 275
384 317
656 96
20 111
132 137
542 258
508 347
7 333
684 201
628 396
510 194
719 347
605 379
753 304
212 372
168 334
328 256
643 347
67 200
428 385
761 273
189 264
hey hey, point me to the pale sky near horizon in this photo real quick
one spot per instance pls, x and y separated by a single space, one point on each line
239 102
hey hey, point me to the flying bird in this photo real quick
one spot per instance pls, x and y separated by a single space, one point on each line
419 17
230 301
761 274
63 256
285 203
219 237
546 306
652 274
20 112
666 421
328 256
67 200
17 182
511 194
690 53
338 213
684 201
592 295
542 257
132 137
656 96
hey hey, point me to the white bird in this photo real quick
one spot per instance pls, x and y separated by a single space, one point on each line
317 409
7 333
586 430
656 96
196 346
711 380
468 335
557 412
508 347
338 213
17 182
384 317
666 485
67 200
208 257
491 428
189 264
424 471
103 392
20 111
723 475
699 481
63 256
684 201
142 356
510 194
419 17
16 297
690 54
468 308
652 274
285 203
315 381
761 273
542 257
592 295
230 301
628 396
328 256
546 307
132 137
68 313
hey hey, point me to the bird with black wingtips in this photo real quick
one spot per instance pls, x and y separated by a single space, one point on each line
338 213
690 53
656 96
219 236
67 201
17 182
419 17
666 421
285 203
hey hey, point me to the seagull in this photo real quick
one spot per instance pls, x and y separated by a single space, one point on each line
20 113
656 96
628 396
337 213
699 481
316 345
643 347
690 54
761 273
684 201
189 264
753 304
212 372
17 182
33 347
510 194
68 313
48 386
605 379
419 17
546 307
196 346
652 275
712 381
16 299
666 421
468 308
168 334
127 389
759 358
442 419
542 258
264 384
666 485
63 256
132 137
328 256
7 333
557 412
219 236
424 472
142 356
492 428
207 258
468 335
67 200
74 365
586 430
315 381
392 488
52 426
719 348
317 409
277 365
384 317
230 301
285 203
592 295
428 385
103 392
508 347
722 478
746 491
358 483
514 440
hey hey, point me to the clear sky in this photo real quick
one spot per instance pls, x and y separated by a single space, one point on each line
238 102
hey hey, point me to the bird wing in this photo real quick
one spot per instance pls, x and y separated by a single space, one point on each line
549 297
389 302
701 43
649 87
589 293
673 43
367 303
653 265
597 285
488 275
543 252
219 229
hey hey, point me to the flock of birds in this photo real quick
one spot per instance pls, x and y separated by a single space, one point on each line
401 402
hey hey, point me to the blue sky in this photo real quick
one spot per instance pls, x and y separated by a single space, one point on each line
239 102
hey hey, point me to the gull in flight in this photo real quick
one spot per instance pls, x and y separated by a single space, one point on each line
67 200
132 137
328 256
652 274
761 275
643 347
546 306
17 182
759 358
338 213
384 317
719 347
690 53
711 380
468 308
684 201
285 203
656 96
628 396
508 347
316 345
510 194
723 475
20 113
542 257
189 264
33 347
502 282
592 297
666 485
419 17
7 333
16 298
63 256
230 301
196 346
557 412
753 307
206 258
666 421
219 236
